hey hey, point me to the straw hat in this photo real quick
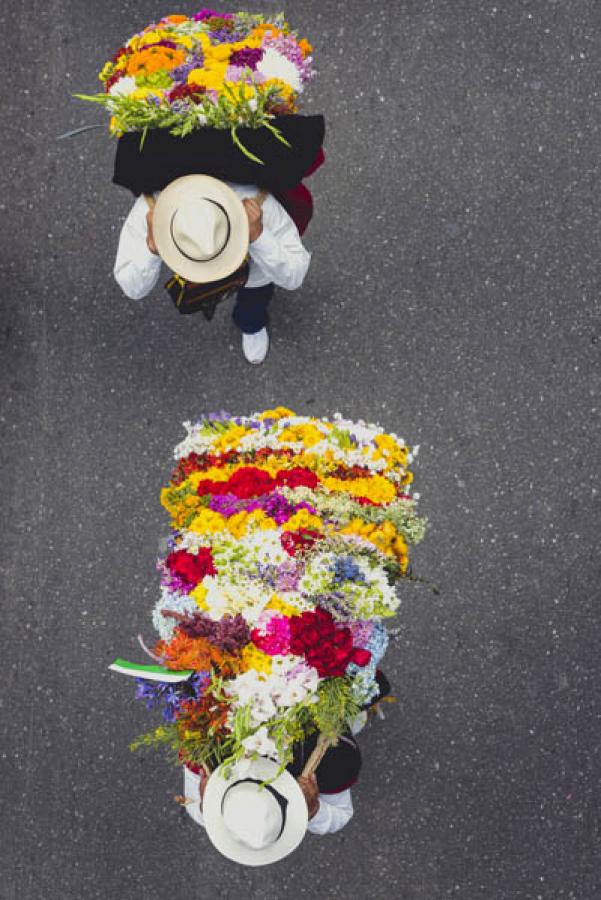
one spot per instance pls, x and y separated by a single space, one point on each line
250 824
200 228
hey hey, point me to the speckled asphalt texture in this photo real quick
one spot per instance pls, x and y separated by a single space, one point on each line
453 297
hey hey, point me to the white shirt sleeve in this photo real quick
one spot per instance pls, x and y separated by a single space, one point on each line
136 268
192 792
279 251
335 811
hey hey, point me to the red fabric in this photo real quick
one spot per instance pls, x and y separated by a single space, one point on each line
297 201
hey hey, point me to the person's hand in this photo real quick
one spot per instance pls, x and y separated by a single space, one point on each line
149 236
254 213
308 785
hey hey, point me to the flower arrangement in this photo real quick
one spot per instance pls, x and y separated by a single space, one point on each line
218 70
288 535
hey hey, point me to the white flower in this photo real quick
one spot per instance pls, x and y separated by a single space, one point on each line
260 743
274 65
175 602
124 87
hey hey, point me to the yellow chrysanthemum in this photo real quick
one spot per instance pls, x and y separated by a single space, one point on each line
280 412
253 658
230 439
208 522
199 596
276 604
309 435
303 519
375 488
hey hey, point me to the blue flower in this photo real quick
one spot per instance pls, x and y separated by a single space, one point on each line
346 569
168 696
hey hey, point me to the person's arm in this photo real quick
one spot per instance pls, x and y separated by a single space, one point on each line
335 811
278 250
136 268
194 790
327 813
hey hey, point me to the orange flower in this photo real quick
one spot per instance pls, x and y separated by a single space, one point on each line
183 652
176 19
305 47
153 59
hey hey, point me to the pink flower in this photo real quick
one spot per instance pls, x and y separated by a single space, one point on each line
272 634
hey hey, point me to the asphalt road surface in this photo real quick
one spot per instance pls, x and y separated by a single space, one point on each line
453 297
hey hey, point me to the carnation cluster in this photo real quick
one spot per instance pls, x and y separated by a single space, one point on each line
220 70
289 535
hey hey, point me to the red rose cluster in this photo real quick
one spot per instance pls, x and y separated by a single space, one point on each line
294 542
326 646
191 568
248 481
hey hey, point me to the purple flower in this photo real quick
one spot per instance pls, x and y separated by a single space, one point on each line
180 73
226 504
171 696
248 57
170 44
206 14
230 633
288 576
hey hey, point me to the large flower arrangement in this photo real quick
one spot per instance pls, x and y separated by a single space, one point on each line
219 70
288 536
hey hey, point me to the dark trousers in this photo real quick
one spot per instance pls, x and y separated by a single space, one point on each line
250 311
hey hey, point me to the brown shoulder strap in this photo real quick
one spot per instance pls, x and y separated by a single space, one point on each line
261 197
149 200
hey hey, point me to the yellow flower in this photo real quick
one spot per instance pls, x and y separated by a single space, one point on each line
240 87
208 522
231 438
375 488
236 525
308 434
212 474
115 127
303 519
253 658
241 522
276 604
285 90
280 412
199 596
184 39
106 71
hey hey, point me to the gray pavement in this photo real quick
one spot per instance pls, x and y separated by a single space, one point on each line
453 297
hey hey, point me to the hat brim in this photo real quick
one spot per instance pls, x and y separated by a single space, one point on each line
224 841
236 249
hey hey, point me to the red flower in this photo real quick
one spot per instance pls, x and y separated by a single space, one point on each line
294 542
186 91
326 646
250 482
189 567
365 501
206 486
297 477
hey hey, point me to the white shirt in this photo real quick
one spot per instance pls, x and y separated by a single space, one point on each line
277 255
334 811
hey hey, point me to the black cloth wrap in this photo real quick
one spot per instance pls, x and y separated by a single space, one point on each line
211 151
339 767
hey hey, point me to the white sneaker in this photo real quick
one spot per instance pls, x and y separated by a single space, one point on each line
255 346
